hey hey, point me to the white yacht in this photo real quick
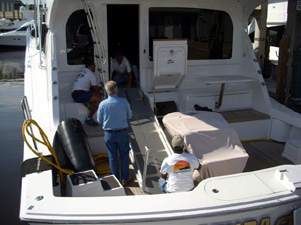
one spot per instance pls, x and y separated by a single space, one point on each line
275 23
15 37
198 77
13 33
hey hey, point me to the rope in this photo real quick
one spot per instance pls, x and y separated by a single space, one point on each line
45 142
102 158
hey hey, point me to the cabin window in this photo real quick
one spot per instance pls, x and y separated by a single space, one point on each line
209 32
78 37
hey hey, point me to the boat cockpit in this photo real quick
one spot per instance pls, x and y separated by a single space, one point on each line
196 66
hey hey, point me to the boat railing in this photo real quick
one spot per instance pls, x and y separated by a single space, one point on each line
97 36
28 38
38 18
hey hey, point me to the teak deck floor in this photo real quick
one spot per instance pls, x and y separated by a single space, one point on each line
264 154
243 116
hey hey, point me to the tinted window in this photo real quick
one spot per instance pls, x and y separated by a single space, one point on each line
209 32
78 36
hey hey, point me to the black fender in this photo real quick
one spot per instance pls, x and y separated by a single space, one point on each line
72 147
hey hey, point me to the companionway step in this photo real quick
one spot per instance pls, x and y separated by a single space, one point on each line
93 131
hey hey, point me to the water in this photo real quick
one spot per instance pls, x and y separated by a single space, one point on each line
11 147
11 62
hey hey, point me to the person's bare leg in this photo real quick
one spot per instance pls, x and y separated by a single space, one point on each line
95 100
91 114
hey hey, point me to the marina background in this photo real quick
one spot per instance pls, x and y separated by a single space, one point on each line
11 119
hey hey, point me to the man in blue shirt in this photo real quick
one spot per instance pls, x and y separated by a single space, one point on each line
114 113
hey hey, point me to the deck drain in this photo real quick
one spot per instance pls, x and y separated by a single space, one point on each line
39 198
215 191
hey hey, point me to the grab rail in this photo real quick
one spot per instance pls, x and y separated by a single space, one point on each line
145 167
38 17
27 116
28 37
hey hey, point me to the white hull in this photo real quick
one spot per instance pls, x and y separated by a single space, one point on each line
13 39
258 197
248 197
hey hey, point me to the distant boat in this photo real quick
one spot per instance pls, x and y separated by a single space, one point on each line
13 33
15 37
276 22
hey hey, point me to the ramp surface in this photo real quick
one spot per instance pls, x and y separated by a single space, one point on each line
144 131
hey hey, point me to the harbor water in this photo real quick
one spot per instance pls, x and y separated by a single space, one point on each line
11 119
11 62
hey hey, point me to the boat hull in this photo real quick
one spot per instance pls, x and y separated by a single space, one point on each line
281 214
13 39
233 199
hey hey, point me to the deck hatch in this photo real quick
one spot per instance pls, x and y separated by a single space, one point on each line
236 188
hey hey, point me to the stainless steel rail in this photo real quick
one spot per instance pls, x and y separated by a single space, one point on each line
27 116
145 167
